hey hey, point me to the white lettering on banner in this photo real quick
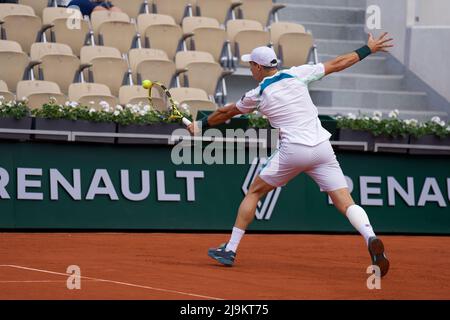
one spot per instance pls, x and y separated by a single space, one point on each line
4 180
394 186
436 196
95 189
190 181
161 186
125 185
366 191
448 188
23 184
56 178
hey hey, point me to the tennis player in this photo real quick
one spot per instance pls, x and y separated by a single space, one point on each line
284 98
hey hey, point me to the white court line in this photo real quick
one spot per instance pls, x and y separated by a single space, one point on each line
36 281
115 282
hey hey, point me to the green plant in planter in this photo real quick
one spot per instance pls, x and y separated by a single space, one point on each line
257 120
135 114
435 127
14 109
391 126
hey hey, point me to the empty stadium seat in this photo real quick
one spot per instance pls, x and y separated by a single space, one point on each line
152 64
259 10
4 92
245 35
15 19
114 29
107 66
37 5
202 71
207 36
294 48
39 93
67 26
13 63
197 99
218 9
277 29
178 9
160 32
132 8
88 93
58 64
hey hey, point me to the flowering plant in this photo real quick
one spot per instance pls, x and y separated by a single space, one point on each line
392 125
13 109
130 114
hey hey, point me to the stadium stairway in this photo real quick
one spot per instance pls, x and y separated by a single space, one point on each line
379 83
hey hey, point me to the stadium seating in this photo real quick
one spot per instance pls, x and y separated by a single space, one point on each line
197 99
291 43
76 35
152 64
221 10
39 93
114 29
207 36
132 8
4 91
277 29
55 57
160 32
245 35
15 19
178 9
294 48
259 10
91 94
37 5
13 63
202 71
107 66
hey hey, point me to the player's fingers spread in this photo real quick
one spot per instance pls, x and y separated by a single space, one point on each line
383 35
387 40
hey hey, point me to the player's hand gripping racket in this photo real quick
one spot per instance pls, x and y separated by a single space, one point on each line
175 114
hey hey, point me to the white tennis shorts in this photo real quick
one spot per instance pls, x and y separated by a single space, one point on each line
319 162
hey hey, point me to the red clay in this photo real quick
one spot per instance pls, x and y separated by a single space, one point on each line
176 266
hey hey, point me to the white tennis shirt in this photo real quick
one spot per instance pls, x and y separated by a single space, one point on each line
284 99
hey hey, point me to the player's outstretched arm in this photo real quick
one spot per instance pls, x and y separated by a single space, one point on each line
217 117
349 59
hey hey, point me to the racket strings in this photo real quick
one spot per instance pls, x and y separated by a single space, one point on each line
174 114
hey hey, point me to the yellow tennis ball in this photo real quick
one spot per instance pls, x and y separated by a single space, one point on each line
147 84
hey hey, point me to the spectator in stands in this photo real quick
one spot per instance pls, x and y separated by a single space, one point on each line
88 6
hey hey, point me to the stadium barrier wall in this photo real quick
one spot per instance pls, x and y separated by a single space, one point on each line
99 186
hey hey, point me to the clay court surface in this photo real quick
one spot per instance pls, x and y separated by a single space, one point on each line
175 266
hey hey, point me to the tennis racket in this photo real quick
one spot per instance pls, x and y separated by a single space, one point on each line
175 114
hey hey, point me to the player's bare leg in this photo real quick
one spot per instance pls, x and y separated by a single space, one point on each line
343 201
258 189
226 253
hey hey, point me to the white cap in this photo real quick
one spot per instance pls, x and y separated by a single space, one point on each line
263 56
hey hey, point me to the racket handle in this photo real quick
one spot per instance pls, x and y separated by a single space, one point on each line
186 122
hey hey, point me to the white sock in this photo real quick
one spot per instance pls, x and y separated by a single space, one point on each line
359 219
235 238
